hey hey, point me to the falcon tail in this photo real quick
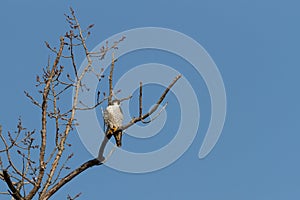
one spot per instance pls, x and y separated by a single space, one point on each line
118 137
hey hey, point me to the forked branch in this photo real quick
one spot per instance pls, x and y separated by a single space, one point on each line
141 116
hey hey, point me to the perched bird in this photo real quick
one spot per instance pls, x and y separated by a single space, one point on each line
113 118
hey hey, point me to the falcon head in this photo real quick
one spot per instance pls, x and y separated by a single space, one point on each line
116 102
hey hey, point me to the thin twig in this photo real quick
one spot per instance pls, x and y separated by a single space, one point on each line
141 100
93 107
152 119
125 98
72 53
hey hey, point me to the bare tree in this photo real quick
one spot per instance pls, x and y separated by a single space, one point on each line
29 169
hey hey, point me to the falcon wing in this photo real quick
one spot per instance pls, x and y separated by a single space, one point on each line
119 117
106 117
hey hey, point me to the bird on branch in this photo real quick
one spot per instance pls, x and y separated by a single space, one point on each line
113 119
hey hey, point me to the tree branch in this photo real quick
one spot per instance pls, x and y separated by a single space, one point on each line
110 79
72 53
125 98
141 100
14 192
100 160
44 121
77 86
162 97
41 173
70 176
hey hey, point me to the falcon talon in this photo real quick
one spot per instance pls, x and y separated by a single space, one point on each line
115 129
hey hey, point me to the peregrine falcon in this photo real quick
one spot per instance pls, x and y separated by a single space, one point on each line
113 118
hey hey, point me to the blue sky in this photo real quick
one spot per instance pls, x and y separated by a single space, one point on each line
255 45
